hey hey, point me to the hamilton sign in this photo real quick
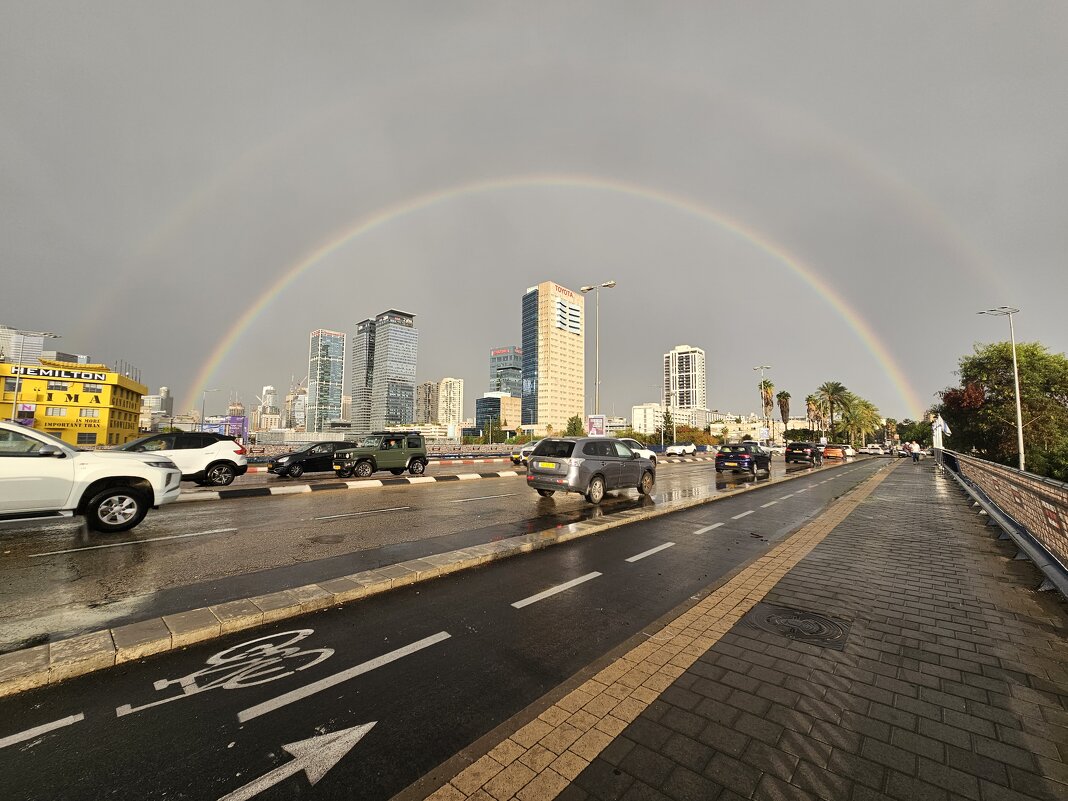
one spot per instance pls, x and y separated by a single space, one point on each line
50 372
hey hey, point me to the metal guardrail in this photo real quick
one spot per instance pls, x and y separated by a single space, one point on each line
1029 509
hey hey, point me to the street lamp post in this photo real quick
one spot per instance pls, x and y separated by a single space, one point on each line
203 401
762 368
18 376
597 340
1008 311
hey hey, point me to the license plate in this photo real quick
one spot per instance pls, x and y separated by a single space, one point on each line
338 466
731 464
547 465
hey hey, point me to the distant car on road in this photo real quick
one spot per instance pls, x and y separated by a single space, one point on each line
745 456
521 453
590 466
834 452
208 459
681 449
873 450
804 452
639 448
316 458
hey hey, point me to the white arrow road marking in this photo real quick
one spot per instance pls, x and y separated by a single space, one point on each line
743 514
136 542
44 728
708 528
650 552
541 596
315 756
307 690
483 497
368 512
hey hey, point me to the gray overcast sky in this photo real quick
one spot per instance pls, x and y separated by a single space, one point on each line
833 189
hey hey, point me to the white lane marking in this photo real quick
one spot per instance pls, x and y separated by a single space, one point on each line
743 514
769 503
307 690
541 596
650 552
784 497
44 728
368 512
135 542
483 497
806 489
708 528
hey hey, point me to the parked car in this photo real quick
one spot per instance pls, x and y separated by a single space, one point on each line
43 477
639 448
521 453
590 466
807 452
383 450
873 450
203 457
316 458
834 452
745 456
681 449
849 450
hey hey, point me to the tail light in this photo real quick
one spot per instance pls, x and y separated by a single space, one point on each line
240 450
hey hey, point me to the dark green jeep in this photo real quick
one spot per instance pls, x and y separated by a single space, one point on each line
383 450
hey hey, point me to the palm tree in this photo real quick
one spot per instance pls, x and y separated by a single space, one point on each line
784 407
831 393
766 390
859 419
814 411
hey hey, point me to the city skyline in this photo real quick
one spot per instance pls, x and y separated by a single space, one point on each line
832 191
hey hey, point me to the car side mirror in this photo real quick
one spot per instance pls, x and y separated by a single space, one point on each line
51 450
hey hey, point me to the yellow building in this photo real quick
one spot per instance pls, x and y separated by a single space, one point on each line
82 404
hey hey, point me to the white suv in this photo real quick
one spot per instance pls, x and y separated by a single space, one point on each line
43 477
206 458
639 449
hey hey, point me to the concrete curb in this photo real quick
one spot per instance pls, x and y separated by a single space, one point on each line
86 653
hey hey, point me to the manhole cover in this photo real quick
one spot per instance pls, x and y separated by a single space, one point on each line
800 625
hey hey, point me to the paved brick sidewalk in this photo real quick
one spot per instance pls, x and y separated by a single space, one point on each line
951 681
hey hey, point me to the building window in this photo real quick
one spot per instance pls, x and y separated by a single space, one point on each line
62 386
55 411
97 388
87 439
9 385
89 413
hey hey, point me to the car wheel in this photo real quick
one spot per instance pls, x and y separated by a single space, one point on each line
645 486
417 467
222 474
545 493
595 492
753 468
364 469
296 471
345 472
396 470
116 509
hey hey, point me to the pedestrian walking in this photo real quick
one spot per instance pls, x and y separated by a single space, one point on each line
914 449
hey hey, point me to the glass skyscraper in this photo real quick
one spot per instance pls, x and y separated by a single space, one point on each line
384 355
506 370
326 378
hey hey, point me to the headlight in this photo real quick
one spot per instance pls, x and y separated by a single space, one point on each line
283 459
166 464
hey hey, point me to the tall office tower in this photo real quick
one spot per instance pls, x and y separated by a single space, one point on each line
553 356
506 370
685 385
384 355
426 402
166 401
326 378
450 407
294 413
268 400
18 348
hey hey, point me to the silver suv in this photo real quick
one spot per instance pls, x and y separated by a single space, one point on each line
588 465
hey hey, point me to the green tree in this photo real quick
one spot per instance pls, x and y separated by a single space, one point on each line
859 419
832 393
981 411
784 407
667 425
814 411
574 427
767 390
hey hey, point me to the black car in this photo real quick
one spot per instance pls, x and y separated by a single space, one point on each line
807 452
316 458
747 456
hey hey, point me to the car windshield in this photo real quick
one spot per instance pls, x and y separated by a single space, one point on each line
370 442
557 448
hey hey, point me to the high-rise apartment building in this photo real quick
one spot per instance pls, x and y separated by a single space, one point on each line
685 384
426 402
553 357
440 402
326 378
384 355
506 370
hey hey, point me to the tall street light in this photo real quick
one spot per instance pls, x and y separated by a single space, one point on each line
597 346
18 376
1008 311
203 401
762 368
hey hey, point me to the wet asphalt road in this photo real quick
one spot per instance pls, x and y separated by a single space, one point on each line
433 666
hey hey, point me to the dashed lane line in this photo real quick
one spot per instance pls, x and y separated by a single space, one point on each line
135 542
365 512
650 552
769 503
784 497
541 596
307 690
708 528
484 497
743 514
29 734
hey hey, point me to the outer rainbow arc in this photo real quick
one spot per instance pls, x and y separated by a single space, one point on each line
677 202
